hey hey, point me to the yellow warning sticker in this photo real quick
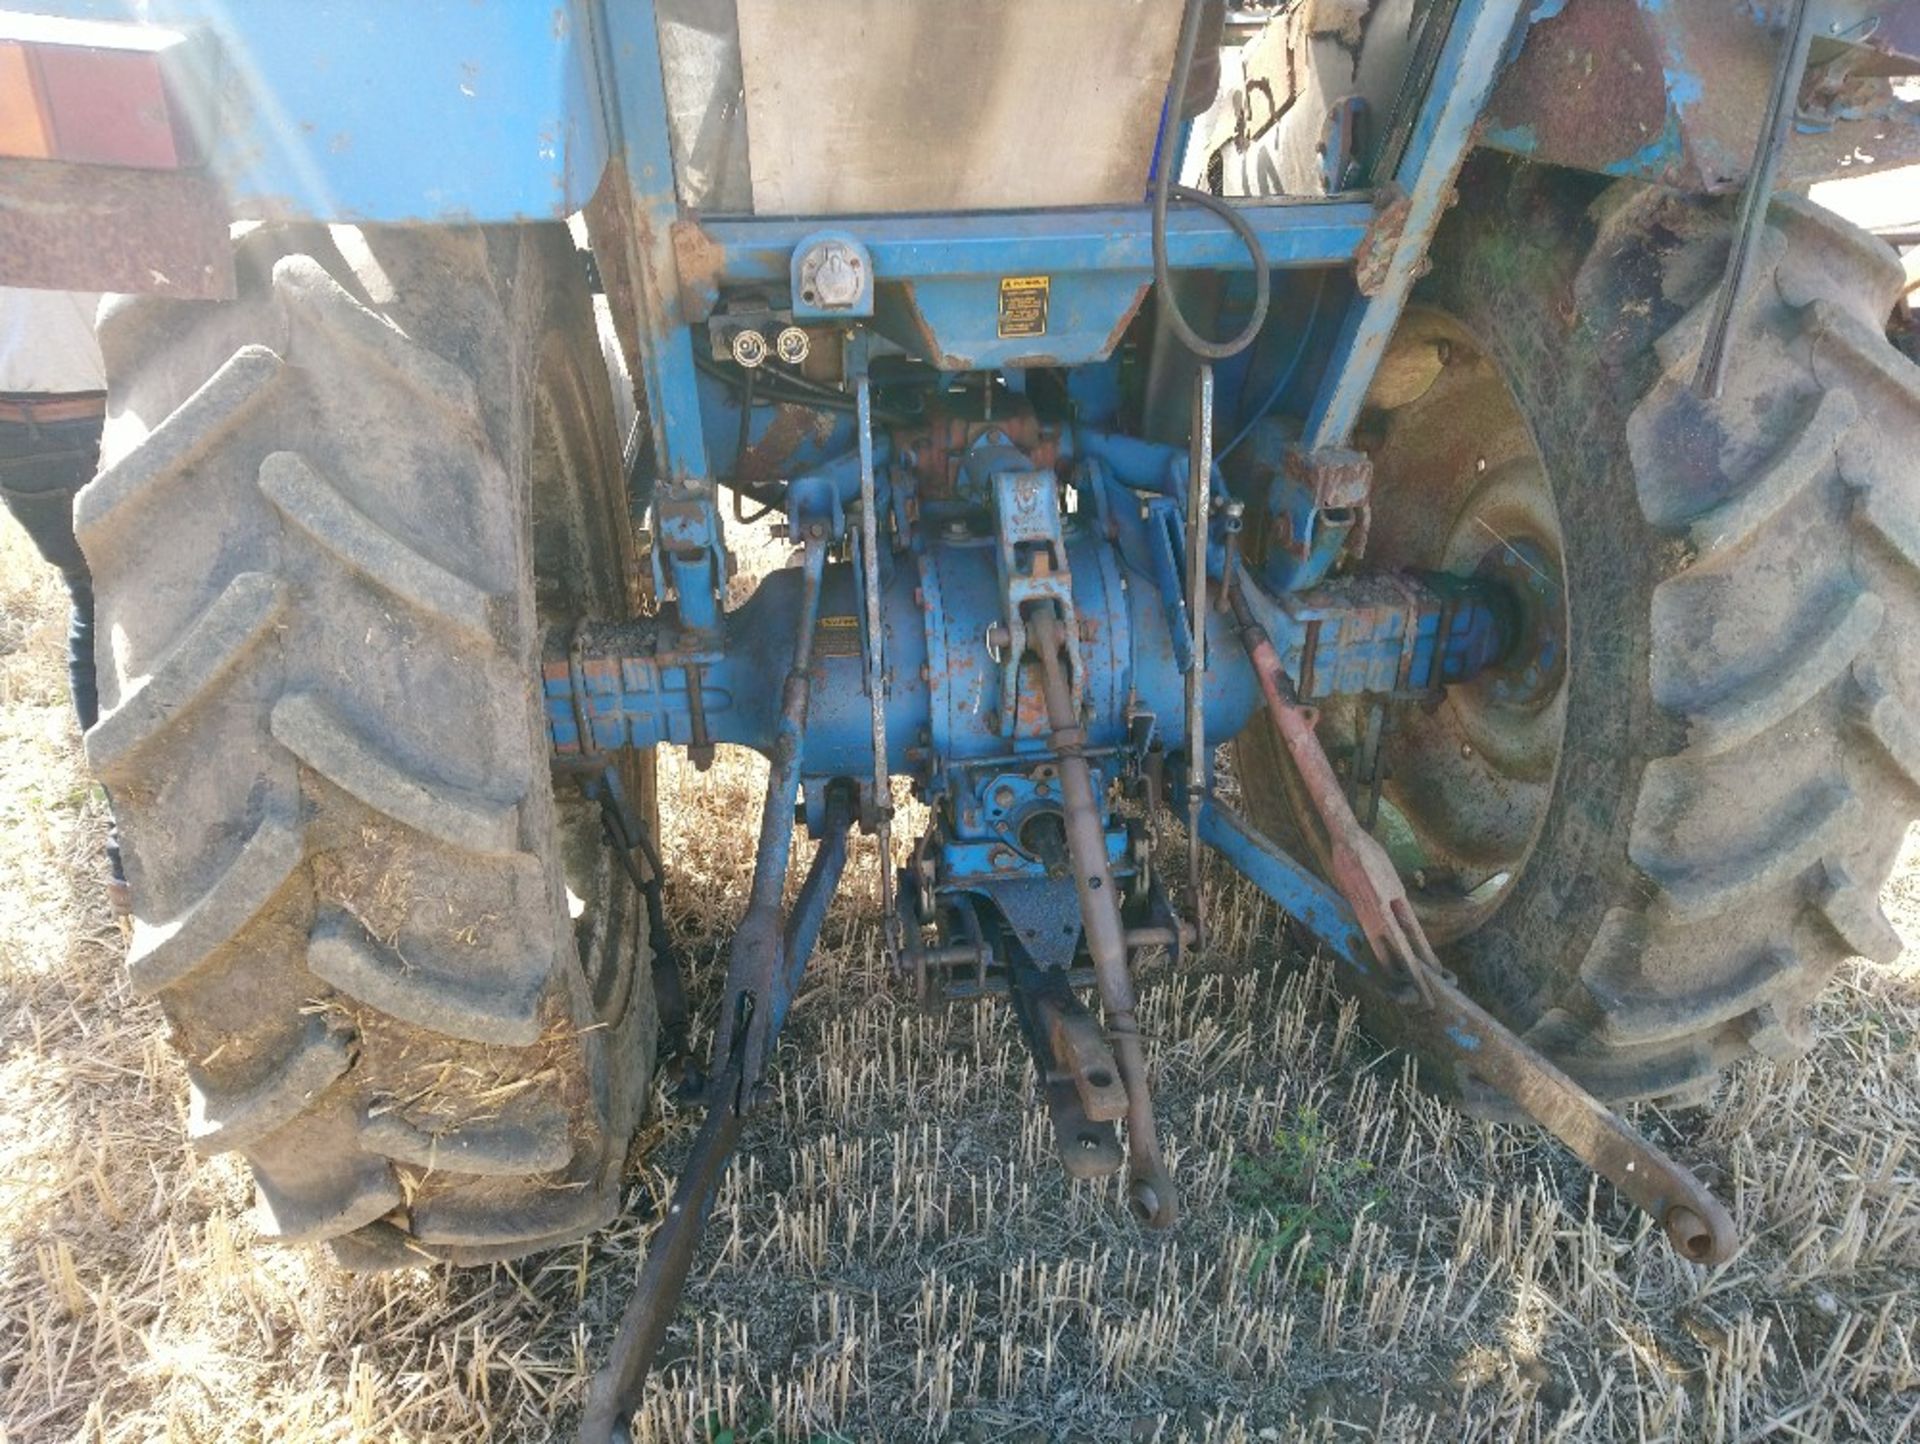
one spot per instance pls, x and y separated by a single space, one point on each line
1023 305
837 637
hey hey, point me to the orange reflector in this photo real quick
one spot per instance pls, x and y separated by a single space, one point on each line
23 129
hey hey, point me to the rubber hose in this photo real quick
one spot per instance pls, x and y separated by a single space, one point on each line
1164 187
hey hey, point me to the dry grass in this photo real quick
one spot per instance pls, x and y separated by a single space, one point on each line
896 1258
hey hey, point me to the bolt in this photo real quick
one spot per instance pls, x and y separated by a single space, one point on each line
1003 860
749 348
1003 796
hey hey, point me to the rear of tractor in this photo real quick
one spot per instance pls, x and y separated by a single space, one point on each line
1538 520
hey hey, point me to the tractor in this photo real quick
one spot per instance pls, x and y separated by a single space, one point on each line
1454 407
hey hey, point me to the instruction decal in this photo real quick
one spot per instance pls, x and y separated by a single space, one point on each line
1023 305
837 637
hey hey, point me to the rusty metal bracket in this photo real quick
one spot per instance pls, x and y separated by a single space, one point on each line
1079 1076
1450 1023
1150 1188
1373 263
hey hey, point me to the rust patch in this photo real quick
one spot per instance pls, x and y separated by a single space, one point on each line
929 342
608 233
1589 87
69 227
1119 331
1373 262
937 444
792 427
700 260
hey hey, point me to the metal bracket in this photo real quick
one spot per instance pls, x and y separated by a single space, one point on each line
1031 555
1319 508
1442 132
1382 937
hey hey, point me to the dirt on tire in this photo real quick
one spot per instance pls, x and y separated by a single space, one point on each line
1740 761
314 540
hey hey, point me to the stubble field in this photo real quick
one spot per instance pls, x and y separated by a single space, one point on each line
896 1257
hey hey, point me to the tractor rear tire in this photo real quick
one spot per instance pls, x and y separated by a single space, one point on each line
1739 760
334 518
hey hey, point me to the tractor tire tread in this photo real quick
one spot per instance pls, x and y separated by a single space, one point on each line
324 744
1763 839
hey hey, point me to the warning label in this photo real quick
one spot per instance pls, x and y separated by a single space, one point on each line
1023 305
837 637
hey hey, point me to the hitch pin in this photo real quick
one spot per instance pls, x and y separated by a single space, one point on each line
1483 1048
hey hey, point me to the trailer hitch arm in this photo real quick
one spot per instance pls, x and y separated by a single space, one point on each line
1446 1019
1150 1189
764 968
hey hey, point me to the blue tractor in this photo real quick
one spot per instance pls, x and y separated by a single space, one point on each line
1455 405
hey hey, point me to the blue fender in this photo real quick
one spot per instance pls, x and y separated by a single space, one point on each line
431 111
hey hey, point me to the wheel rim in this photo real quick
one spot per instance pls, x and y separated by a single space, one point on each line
1460 488
581 572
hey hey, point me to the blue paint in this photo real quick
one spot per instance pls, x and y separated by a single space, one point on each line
954 321
1516 139
958 705
1463 1040
1470 60
368 110
759 251
640 130
1683 88
1297 892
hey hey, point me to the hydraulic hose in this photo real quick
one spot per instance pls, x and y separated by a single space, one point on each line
1165 187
